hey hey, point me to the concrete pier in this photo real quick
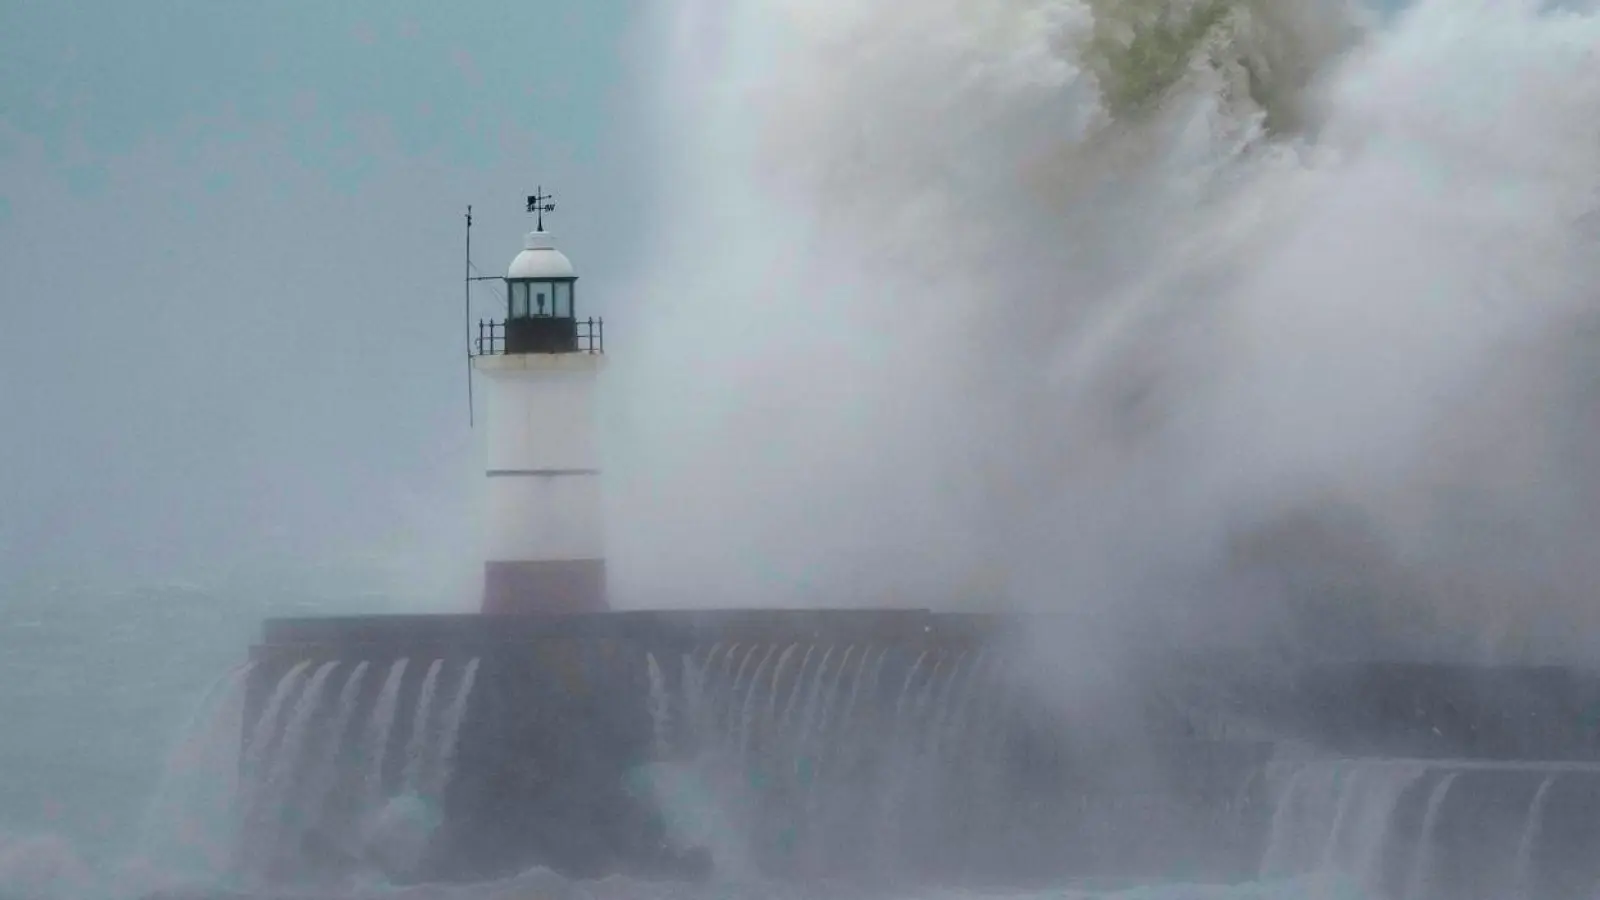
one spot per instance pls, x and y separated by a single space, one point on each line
875 746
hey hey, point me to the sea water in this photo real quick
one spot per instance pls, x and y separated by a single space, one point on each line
169 825
116 744
1470 122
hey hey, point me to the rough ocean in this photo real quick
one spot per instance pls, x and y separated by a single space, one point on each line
1088 305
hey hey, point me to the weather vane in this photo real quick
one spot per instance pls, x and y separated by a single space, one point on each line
539 202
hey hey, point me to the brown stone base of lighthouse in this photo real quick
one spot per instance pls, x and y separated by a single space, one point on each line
549 587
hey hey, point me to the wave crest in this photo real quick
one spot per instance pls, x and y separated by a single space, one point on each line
1072 302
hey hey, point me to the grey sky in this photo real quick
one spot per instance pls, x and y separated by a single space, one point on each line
230 259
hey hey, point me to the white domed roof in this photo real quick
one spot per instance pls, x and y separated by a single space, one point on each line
540 259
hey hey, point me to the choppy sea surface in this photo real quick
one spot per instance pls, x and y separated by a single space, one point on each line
98 687
119 760
103 688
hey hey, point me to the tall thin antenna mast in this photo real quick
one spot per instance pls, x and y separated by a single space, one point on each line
466 296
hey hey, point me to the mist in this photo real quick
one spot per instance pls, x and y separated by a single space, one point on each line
1265 327
1248 325
1224 322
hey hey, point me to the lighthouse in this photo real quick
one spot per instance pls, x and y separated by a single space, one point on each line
544 527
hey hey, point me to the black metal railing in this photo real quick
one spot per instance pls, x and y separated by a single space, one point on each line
539 334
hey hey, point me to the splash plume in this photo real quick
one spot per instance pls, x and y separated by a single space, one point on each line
1202 321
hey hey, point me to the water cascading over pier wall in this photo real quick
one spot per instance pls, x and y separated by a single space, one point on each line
1441 829
876 746
883 746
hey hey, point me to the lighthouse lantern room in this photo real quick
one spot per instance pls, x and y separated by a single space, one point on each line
544 528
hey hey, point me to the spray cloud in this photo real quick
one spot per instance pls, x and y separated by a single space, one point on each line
1212 321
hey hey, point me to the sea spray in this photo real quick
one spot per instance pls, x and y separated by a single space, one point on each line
1420 878
257 766
325 774
1148 312
660 707
450 731
422 729
1522 875
1085 359
377 736
274 814
188 825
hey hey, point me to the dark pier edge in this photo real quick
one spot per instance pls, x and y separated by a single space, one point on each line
568 692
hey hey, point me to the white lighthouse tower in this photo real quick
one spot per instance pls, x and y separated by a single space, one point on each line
544 526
